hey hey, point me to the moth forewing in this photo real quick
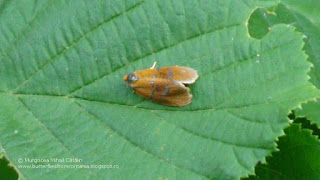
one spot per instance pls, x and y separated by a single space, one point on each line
185 75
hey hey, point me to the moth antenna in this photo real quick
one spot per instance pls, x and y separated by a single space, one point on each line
154 65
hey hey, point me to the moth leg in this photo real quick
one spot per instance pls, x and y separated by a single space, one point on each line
154 65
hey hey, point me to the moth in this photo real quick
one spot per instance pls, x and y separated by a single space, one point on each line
164 85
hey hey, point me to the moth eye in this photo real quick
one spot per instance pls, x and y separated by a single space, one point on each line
132 78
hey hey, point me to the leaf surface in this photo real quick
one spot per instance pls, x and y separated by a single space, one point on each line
298 158
63 96
303 16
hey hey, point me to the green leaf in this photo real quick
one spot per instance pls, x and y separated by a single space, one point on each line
7 172
63 96
298 157
267 3
1 151
306 124
304 15
311 111
308 9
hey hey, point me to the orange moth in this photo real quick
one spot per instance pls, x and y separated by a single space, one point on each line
165 85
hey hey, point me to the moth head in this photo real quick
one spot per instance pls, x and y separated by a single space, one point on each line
131 78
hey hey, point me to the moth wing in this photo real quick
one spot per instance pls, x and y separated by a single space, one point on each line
172 93
181 99
184 75
147 73
144 92
165 85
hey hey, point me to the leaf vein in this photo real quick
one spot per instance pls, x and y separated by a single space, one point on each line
28 24
152 53
240 161
134 144
51 133
212 138
73 45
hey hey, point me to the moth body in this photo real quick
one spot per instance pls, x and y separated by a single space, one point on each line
165 85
